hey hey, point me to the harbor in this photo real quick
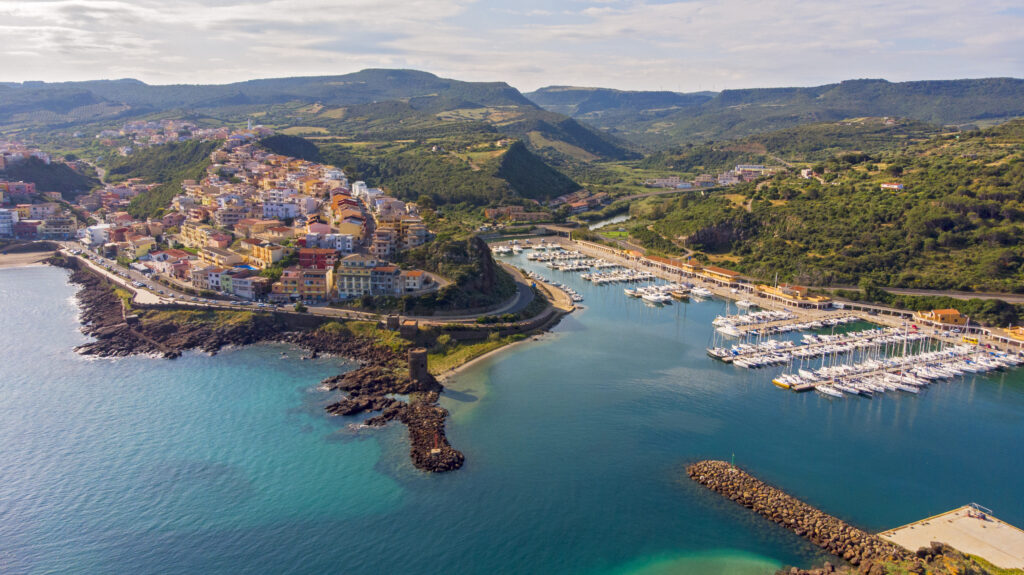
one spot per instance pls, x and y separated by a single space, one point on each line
885 353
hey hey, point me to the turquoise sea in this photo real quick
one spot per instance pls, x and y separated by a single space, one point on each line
575 446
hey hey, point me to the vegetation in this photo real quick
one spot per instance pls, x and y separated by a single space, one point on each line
52 177
451 170
994 312
660 119
293 146
958 224
168 165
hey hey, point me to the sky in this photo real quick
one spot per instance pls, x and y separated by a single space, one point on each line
626 44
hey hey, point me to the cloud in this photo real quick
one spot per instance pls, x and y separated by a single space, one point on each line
629 44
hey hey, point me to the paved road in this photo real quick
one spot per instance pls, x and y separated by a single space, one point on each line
147 295
1007 297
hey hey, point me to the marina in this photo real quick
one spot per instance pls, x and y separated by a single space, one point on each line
891 356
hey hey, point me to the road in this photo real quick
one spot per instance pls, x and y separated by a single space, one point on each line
152 293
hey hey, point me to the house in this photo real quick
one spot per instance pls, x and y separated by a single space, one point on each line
320 258
303 284
386 280
60 227
7 220
892 186
354 275
261 253
793 295
207 278
942 316
414 280
249 227
278 234
28 229
219 257
250 286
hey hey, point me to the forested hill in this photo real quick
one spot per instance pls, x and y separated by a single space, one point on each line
475 174
52 177
167 165
660 119
958 222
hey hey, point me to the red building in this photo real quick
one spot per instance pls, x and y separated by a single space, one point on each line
319 258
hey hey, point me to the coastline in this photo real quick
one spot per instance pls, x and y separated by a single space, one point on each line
23 259
382 371
455 371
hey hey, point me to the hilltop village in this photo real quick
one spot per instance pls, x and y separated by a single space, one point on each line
258 226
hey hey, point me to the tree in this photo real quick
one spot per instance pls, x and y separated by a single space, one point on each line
300 307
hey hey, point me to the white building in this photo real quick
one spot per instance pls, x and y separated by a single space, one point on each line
359 189
7 220
280 210
97 235
342 243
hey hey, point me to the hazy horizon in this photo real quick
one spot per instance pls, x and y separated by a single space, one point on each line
623 44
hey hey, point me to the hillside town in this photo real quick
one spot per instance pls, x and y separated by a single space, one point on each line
257 226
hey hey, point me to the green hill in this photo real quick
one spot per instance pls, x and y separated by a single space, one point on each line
52 177
805 143
658 119
957 224
477 173
167 165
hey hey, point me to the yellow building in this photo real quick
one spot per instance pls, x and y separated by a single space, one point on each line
942 316
793 295
721 275
264 254
306 284
195 235
219 257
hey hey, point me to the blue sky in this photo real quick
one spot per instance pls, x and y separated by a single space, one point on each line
626 44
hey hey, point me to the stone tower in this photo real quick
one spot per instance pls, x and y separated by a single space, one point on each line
418 364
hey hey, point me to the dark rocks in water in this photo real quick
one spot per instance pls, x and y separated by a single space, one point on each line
367 387
827 532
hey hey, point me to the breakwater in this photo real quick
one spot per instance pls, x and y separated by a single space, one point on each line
839 538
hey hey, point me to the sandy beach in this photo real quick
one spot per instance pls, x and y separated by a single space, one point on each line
21 260
451 373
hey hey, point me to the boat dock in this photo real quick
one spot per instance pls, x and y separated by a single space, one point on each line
904 373
822 345
969 529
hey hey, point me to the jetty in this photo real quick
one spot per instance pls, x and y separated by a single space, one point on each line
827 532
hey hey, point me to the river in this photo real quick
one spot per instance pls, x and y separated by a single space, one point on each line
575 446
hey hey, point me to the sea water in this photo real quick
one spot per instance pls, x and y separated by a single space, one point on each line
575 447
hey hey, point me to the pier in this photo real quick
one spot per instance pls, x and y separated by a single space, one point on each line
970 529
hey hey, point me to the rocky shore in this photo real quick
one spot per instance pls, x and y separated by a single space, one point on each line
381 372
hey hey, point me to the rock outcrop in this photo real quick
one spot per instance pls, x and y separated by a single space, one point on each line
367 387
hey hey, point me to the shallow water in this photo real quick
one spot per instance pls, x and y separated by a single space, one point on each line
574 444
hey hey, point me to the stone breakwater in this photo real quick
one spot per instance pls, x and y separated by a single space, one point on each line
837 537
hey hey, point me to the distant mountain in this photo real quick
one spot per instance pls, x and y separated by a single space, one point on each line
657 119
373 103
